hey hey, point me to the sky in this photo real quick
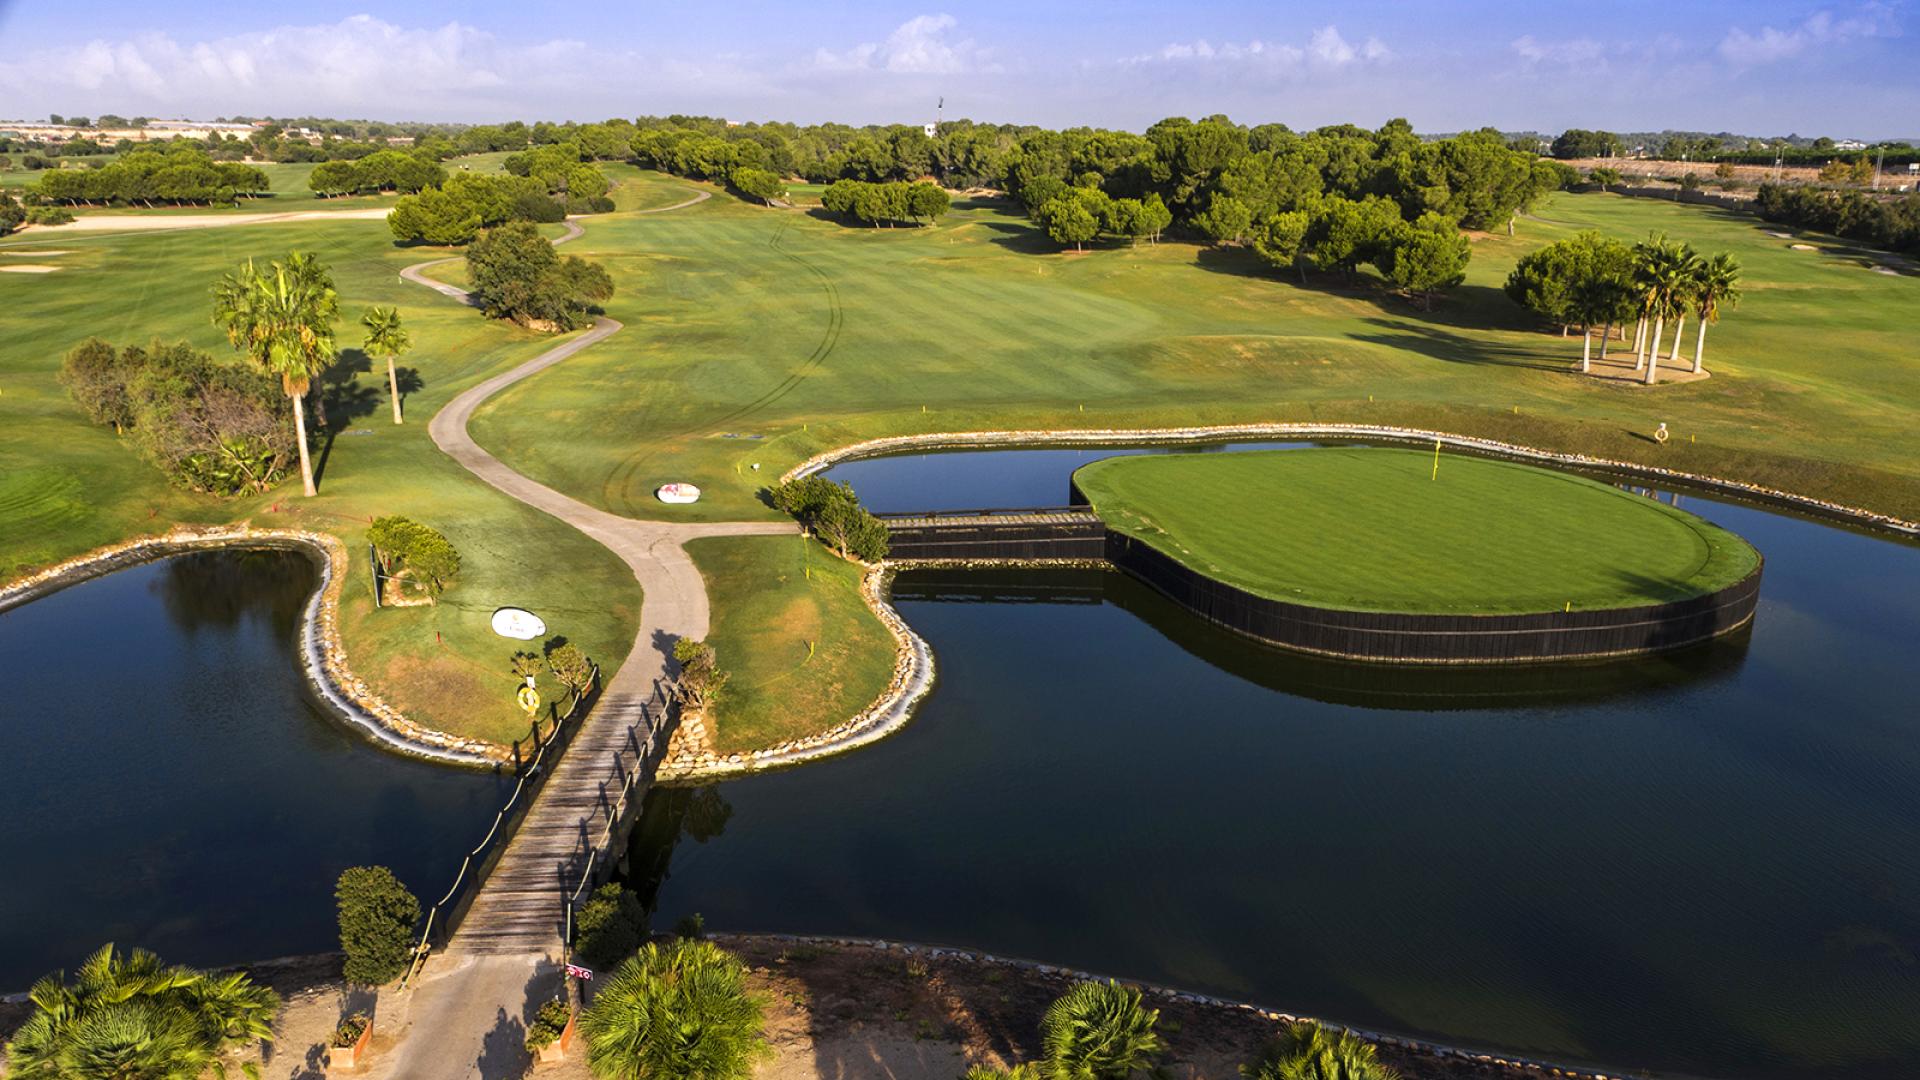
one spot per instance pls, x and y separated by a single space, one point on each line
1764 67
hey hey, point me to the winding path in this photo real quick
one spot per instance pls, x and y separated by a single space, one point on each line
466 1012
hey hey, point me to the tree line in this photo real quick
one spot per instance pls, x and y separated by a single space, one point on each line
540 185
1892 223
181 174
383 170
1592 280
890 202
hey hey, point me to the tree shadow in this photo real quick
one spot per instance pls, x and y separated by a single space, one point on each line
410 383
503 1050
663 644
1020 237
1453 348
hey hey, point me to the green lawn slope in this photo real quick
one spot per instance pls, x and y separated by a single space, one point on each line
1377 529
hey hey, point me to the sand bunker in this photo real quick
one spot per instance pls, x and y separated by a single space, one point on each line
34 253
1781 235
1888 270
1803 247
28 268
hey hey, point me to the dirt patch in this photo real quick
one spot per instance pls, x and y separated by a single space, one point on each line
1619 367
28 268
851 1013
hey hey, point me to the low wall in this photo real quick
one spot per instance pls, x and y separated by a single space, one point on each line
971 538
1440 639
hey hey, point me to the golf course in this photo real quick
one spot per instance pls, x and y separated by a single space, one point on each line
756 337
1389 530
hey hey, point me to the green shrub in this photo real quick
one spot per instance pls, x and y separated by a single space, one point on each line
49 215
835 515
1098 1031
609 927
988 1072
675 1012
415 554
351 1029
548 1023
1311 1052
377 916
701 679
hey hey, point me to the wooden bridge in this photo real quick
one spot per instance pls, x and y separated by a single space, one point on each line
1055 533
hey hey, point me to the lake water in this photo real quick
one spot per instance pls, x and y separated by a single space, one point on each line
1705 862
172 785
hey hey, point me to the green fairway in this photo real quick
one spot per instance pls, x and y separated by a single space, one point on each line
1376 529
66 486
762 335
803 651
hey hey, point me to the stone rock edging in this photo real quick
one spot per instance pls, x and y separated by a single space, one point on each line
323 656
1209 433
1511 1062
692 759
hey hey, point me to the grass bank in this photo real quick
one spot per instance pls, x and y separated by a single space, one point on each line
1378 529
804 651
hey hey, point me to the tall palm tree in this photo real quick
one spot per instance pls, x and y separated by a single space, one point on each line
1311 1052
1658 280
1687 268
281 318
386 337
1718 285
1098 1031
674 1012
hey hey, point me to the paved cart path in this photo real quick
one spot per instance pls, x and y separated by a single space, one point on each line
465 1016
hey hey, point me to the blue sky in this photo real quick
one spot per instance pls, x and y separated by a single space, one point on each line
1763 66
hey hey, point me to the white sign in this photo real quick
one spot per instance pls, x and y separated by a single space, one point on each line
519 623
677 493
575 971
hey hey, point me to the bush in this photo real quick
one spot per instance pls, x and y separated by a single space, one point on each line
570 667
675 1012
548 1023
212 427
609 927
1311 1052
377 916
49 215
414 554
1098 1031
835 515
701 679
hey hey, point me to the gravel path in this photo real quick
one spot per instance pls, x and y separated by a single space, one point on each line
467 1013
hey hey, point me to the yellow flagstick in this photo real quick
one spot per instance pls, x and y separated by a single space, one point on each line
1436 460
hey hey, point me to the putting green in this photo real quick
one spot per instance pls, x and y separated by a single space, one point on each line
1374 529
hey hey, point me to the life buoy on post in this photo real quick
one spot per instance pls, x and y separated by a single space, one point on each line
1661 435
529 699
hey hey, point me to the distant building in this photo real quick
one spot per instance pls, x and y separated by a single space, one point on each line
1849 144
930 129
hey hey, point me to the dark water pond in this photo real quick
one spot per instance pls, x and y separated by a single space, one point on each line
1703 863
172 786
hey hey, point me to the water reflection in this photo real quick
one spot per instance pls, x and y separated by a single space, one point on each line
206 589
669 815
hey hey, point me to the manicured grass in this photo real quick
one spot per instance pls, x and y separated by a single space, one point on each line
1378 529
66 487
749 321
803 650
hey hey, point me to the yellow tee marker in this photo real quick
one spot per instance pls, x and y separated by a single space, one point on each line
1436 460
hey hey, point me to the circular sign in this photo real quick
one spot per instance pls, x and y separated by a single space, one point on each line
677 493
518 623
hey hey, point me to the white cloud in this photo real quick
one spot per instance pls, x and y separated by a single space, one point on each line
1770 44
1573 53
923 45
1326 50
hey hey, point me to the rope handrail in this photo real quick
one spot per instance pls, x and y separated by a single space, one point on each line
531 771
618 810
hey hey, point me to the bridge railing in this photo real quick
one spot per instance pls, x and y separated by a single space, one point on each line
444 914
597 855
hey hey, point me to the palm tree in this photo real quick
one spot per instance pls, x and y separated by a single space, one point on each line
1657 278
1717 285
386 337
281 318
675 1012
1311 1052
1687 268
1098 1031
128 1017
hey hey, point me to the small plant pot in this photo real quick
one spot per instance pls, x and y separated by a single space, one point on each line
350 1059
558 1049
